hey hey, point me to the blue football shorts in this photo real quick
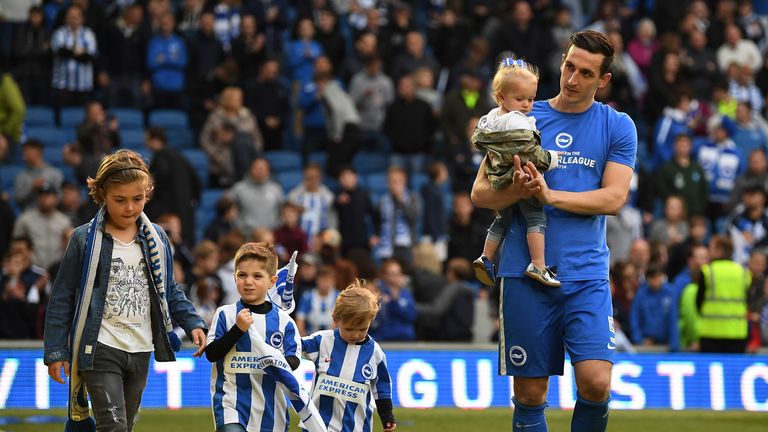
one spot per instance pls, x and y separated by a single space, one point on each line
538 323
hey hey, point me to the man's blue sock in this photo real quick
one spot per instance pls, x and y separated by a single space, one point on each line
589 416
529 418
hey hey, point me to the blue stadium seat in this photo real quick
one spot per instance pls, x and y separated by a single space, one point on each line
39 116
169 119
289 179
376 183
283 160
199 161
129 118
72 116
180 138
132 139
203 218
51 136
418 180
367 163
210 197
53 155
8 175
319 157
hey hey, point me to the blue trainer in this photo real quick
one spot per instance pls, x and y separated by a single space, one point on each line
485 271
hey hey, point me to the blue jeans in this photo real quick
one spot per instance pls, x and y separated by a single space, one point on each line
116 384
535 220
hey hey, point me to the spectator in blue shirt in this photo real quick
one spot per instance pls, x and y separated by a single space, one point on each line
166 61
397 316
653 317
722 166
300 54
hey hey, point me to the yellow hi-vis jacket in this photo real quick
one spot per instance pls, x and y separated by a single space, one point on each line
724 311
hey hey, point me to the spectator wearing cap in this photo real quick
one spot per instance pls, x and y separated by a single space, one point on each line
177 186
45 225
653 317
747 224
35 174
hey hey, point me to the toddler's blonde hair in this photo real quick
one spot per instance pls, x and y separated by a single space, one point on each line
356 304
510 69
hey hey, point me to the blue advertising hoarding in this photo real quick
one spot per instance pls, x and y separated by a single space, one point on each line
464 379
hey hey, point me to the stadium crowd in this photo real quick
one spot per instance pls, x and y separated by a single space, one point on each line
340 129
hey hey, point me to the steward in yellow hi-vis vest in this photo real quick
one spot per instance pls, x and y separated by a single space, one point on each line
722 300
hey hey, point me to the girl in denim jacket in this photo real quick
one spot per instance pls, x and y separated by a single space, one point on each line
113 300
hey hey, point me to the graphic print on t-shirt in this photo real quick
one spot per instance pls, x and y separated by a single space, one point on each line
128 296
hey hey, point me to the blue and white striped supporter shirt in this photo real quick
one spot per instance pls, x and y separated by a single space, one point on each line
251 399
318 214
348 380
316 310
68 73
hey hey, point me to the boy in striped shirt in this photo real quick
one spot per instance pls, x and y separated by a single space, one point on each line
253 346
351 368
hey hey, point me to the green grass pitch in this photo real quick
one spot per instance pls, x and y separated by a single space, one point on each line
452 420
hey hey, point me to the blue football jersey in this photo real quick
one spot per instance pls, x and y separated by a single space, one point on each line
585 141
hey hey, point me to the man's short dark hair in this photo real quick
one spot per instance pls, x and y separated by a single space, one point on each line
33 143
158 134
596 43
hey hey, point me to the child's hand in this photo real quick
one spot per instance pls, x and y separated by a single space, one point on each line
390 426
244 319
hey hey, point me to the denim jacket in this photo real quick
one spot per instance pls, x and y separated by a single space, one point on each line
63 302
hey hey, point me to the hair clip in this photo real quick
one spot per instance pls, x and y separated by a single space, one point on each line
509 61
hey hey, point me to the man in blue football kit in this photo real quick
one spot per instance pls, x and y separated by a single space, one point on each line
597 147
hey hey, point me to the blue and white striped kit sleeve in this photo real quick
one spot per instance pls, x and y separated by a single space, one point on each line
349 379
250 385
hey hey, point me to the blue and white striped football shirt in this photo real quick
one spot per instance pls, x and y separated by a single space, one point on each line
68 73
316 310
349 378
251 399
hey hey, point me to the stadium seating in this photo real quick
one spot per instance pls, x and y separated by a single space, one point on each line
51 136
129 118
283 160
53 155
289 179
72 116
132 139
39 116
319 157
169 119
180 138
206 211
8 175
376 183
367 163
199 161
